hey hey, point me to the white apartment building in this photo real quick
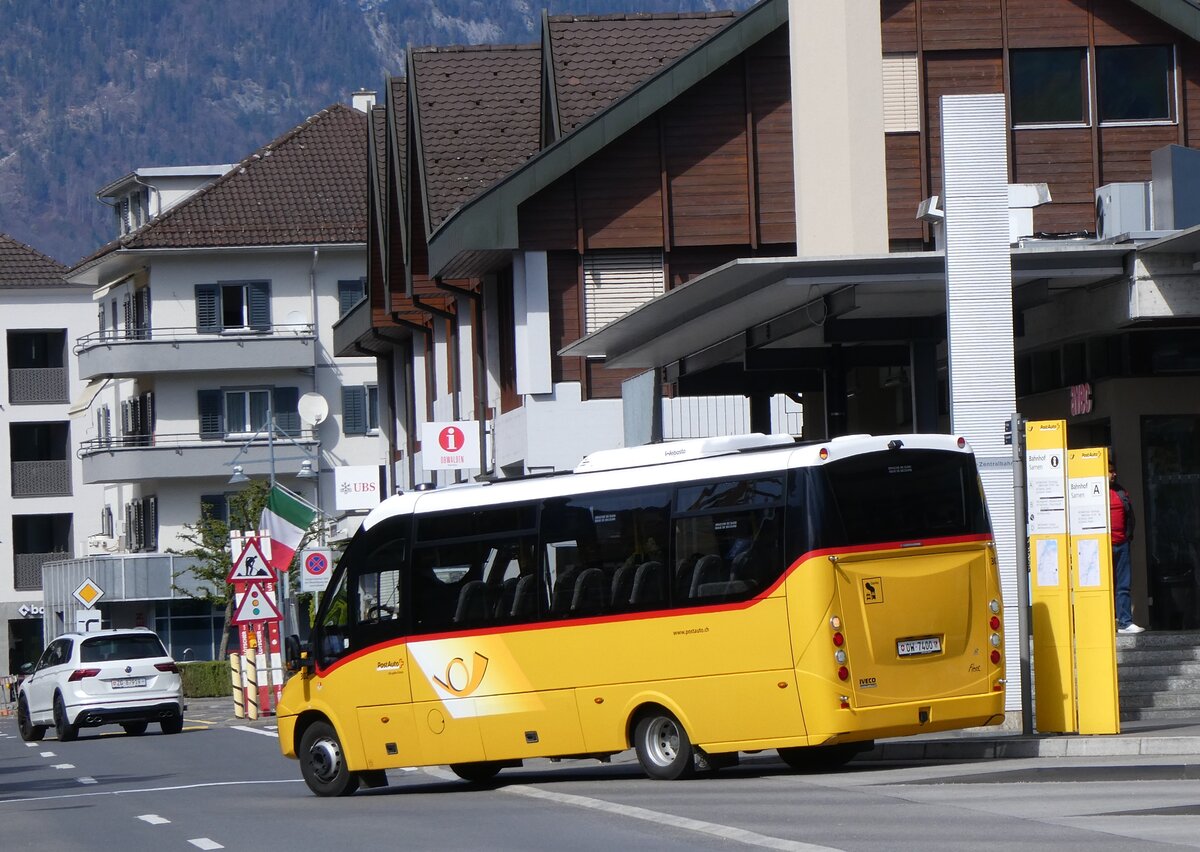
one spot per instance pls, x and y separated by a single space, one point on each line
46 513
210 322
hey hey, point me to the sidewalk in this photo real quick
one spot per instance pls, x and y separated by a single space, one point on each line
1156 737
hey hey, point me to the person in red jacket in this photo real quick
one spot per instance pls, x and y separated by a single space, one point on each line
1120 510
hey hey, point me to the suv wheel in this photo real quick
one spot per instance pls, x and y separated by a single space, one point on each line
66 731
135 729
30 732
171 725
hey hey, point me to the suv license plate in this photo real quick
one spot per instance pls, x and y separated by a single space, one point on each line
916 647
128 682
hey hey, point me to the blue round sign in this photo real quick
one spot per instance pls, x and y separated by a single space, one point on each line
316 563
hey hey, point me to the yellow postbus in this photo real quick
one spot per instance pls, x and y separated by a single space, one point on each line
691 600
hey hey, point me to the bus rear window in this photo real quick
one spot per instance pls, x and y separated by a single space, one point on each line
905 495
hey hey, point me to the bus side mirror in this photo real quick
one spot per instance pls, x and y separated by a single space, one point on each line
295 655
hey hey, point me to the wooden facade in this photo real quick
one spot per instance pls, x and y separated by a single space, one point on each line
963 47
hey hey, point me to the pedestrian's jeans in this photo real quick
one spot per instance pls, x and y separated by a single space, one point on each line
1122 574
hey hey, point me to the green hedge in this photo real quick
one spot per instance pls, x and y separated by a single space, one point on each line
205 679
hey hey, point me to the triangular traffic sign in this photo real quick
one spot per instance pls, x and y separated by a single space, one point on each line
256 605
250 566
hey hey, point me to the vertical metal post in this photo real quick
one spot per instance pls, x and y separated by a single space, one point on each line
235 681
271 433
1021 530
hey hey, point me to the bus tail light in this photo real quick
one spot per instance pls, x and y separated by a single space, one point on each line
840 656
839 640
995 656
824 453
994 623
843 673
80 674
962 443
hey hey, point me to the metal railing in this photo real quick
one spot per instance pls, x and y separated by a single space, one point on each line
37 385
181 440
190 334
48 478
27 573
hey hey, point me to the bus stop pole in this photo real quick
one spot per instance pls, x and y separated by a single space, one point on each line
1021 530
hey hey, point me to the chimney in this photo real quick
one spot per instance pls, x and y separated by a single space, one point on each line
362 100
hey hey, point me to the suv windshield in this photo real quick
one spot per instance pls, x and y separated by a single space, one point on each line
104 648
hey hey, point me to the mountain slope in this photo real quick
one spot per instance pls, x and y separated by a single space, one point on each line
92 89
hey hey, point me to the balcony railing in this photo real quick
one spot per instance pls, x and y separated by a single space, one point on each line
27 575
134 336
182 440
50 478
37 385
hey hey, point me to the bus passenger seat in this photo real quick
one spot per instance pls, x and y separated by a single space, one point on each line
710 569
524 604
622 584
564 587
473 604
507 598
649 584
589 597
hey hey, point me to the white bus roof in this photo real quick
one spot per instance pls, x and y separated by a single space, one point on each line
656 464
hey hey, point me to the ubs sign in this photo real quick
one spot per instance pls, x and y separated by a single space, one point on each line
356 487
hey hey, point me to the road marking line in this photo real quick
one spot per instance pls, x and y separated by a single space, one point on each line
154 819
725 832
250 730
86 779
205 843
31 745
147 790
62 766
48 754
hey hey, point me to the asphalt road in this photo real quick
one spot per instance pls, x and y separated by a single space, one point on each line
226 786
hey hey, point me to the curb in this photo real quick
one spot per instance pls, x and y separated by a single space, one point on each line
1024 747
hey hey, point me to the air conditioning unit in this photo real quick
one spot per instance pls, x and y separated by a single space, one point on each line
1123 208
98 544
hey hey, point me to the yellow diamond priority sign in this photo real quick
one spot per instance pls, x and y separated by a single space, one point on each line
88 593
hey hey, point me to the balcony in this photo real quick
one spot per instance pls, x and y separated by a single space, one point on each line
41 478
137 458
37 385
139 352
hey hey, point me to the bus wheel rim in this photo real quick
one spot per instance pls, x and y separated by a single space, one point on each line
325 758
663 741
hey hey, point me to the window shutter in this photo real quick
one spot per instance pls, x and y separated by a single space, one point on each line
149 412
259 295
100 316
212 414
901 95
106 521
150 520
215 506
616 282
127 312
133 523
354 411
286 403
208 317
125 418
350 293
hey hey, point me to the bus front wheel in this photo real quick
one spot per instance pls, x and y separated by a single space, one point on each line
662 746
323 764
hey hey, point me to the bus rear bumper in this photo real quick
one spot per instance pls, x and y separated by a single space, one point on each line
837 725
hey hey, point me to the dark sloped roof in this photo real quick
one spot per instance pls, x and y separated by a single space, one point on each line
479 113
398 107
379 144
597 59
305 187
23 266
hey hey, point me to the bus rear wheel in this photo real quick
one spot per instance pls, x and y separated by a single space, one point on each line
822 758
323 764
476 773
662 746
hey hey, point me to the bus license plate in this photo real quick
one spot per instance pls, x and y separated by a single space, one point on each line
128 682
916 647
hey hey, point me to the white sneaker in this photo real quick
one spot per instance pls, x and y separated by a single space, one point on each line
1131 628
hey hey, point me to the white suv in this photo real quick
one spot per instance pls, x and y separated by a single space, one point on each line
123 677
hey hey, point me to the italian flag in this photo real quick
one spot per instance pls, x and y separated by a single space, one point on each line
287 518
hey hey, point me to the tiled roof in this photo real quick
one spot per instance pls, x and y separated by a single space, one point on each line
379 143
479 109
599 59
305 187
398 94
23 266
